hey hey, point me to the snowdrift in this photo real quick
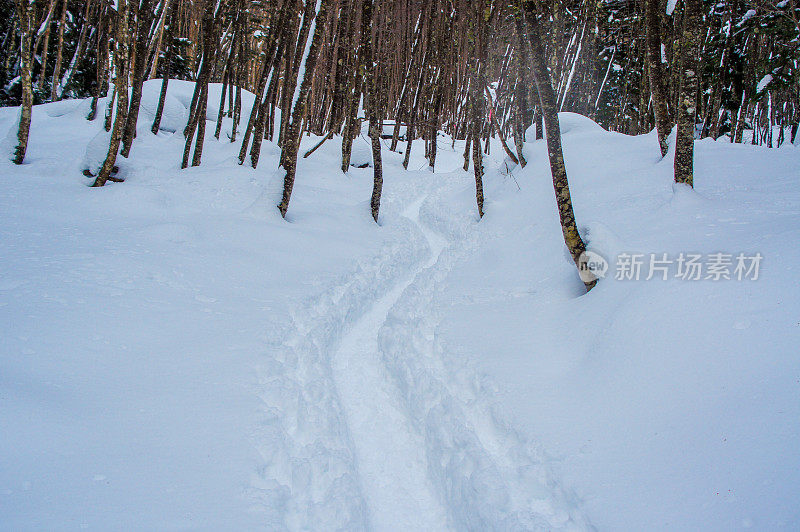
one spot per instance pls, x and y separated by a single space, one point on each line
176 355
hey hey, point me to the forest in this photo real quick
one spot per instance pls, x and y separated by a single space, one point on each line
399 264
473 69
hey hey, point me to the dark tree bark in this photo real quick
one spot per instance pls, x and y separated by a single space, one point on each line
477 160
45 49
259 106
523 117
373 107
658 88
292 142
687 108
197 120
144 18
59 52
352 97
167 65
467 147
121 82
499 131
24 15
409 143
102 62
477 85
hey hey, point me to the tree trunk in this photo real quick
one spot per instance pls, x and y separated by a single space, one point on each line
221 112
292 141
26 107
477 108
373 107
144 18
273 52
687 108
467 145
165 80
79 52
477 159
59 53
409 143
658 88
121 66
102 64
569 228
45 47
377 165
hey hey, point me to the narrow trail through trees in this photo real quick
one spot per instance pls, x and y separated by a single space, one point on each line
390 452
376 428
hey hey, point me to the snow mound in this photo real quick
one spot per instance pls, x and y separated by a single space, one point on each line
569 123
361 157
62 108
175 114
9 141
96 152
574 123
179 99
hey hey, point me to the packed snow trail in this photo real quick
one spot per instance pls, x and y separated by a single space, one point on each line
390 451
489 476
366 426
309 454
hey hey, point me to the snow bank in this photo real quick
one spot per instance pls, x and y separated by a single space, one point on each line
172 348
491 478
175 113
570 123
96 152
643 394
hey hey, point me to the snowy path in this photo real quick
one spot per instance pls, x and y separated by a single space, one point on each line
390 452
367 423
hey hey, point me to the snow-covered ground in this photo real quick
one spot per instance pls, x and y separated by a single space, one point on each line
174 355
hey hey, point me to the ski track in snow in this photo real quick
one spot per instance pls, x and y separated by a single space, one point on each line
390 452
366 426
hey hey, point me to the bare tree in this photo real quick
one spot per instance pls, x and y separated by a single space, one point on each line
121 73
24 14
291 144
687 108
569 228
658 87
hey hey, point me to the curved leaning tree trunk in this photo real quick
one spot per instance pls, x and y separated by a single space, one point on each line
121 80
687 107
166 66
24 15
547 99
141 24
101 88
291 143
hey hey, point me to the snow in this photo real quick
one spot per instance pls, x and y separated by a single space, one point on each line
176 355
671 6
763 83
665 404
175 113
747 16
